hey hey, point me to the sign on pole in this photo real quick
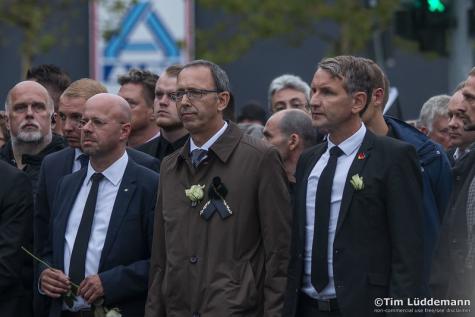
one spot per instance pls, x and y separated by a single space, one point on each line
149 35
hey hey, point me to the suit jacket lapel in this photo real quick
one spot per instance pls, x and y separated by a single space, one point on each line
124 195
64 212
68 167
355 168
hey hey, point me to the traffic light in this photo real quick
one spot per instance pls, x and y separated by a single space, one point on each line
427 22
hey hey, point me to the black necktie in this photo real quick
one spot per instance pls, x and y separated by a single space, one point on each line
84 160
197 156
319 274
77 263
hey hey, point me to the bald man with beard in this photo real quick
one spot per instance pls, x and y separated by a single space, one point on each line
99 212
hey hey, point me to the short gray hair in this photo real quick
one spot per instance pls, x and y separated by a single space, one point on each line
435 106
354 71
299 122
288 81
221 80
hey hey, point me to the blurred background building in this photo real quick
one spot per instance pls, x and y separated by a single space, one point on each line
424 46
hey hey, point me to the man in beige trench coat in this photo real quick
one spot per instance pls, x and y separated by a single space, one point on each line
221 249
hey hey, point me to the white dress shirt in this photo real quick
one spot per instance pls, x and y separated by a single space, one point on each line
459 153
350 148
107 193
210 142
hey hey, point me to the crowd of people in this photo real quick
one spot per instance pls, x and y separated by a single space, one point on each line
154 202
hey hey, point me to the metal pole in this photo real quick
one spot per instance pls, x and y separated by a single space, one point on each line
461 53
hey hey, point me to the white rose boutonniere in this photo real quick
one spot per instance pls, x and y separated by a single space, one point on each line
357 182
195 193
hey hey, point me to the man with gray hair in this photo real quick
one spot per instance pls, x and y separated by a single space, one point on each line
288 91
291 132
357 207
29 108
434 120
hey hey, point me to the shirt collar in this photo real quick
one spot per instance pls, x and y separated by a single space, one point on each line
154 137
77 153
351 144
211 141
114 172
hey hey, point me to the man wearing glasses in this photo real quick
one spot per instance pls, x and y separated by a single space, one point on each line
101 232
221 234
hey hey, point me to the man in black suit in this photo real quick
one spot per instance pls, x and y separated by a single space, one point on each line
453 268
358 207
172 133
69 160
16 208
101 233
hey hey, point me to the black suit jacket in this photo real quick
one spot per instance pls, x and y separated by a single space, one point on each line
16 208
53 168
125 257
150 147
449 277
377 251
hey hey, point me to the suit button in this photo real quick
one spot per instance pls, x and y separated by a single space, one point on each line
296 290
196 314
193 259
300 255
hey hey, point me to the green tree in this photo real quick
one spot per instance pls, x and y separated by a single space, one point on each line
246 22
31 18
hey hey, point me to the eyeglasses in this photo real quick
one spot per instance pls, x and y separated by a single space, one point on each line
192 94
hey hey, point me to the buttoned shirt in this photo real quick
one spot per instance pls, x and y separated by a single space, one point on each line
210 142
349 147
107 193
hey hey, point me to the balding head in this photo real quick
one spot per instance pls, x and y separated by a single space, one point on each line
113 105
31 87
283 126
29 108
105 129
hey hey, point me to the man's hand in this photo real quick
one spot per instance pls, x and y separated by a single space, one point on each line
54 283
91 288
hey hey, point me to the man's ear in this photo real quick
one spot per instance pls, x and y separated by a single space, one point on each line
125 131
293 142
378 97
152 114
7 123
223 100
359 102
424 130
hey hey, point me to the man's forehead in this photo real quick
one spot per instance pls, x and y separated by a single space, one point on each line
30 93
192 72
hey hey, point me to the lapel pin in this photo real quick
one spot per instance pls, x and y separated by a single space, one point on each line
361 156
126 190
